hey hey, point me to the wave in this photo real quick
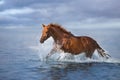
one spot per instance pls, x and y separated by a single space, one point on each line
67 57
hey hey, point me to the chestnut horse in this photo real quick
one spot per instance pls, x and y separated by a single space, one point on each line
67 42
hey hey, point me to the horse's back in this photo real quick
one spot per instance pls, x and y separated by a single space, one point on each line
87 42
84 37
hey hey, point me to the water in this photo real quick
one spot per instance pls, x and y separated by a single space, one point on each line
22 56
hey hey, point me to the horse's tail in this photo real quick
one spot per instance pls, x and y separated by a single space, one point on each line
102 52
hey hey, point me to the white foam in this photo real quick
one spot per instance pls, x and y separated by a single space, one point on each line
45 48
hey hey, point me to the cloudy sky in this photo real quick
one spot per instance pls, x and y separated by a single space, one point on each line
69 13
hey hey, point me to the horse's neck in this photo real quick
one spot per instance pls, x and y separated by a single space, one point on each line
57 35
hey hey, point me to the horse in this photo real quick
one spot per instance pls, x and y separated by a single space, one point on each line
67 42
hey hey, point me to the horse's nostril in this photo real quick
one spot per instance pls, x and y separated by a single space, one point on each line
41 41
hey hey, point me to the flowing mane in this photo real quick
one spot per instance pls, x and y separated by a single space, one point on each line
61 28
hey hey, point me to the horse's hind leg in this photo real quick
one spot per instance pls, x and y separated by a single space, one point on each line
89 53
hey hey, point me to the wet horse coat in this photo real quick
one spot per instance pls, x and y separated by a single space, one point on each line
67 42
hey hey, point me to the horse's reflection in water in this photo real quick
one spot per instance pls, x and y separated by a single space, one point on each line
67 42
62 71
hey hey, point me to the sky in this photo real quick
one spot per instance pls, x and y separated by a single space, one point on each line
69 13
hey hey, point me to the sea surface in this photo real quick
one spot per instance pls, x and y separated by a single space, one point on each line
22 57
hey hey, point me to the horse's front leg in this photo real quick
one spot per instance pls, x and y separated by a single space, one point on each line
51 53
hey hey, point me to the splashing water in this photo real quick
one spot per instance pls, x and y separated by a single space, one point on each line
45 48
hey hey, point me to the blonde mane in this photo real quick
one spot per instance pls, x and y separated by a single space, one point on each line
60 28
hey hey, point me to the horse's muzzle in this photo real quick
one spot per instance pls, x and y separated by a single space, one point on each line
41 41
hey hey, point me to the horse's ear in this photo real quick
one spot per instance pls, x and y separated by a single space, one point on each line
43 25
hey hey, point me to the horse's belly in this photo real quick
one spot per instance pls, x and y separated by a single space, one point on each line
76 51
74 47
73 50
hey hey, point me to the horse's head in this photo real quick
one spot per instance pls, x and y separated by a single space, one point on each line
45 33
